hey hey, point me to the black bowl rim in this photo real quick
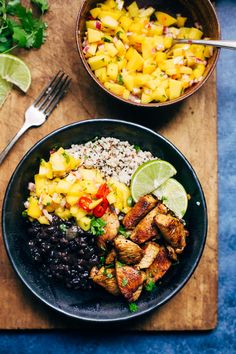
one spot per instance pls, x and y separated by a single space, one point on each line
131 315
187 94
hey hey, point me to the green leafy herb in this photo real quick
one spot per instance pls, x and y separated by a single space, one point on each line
119 33
119 264
124 282
102 260
123 232
150 286
24 214
137 148
42 4
97 226
63 227
109 275
66 156
105 39
133 307
19 28
120 79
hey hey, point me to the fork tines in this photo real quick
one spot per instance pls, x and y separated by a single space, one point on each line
51 95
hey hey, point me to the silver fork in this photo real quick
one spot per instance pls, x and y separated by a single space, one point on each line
41 108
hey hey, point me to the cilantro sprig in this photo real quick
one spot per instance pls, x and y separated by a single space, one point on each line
97 226
19 27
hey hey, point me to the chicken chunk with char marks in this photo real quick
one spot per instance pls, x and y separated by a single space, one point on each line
128 251
105 277
110 229
159 267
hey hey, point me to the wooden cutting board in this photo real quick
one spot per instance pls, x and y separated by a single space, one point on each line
191 126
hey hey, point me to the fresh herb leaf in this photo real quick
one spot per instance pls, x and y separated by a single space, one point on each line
137 148
105 39
133 307
119 33
97 226
124 282
24 214
63 227
109 275
42 4
120 79
123 232
102 260
150 286
66 157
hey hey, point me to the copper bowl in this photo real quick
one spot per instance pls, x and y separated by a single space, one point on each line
200 11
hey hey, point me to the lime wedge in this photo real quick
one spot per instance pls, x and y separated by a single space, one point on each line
173 196
149 176
5 88
14 70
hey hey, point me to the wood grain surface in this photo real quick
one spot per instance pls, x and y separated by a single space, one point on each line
191 126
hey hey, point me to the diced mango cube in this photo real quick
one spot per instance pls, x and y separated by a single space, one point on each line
136 62
165 19
45 169
34 210
94 35
84 223
110 49
115 88
195 33
175 88
133 9
181 21
98 62
146 98
101 74
199 70
109 22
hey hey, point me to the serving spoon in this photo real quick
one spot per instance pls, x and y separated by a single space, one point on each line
214 43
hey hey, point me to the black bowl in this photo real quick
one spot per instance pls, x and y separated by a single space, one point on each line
98 305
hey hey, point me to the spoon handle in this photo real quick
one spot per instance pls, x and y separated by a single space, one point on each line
214 43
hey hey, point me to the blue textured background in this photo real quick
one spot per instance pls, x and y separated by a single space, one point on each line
221 340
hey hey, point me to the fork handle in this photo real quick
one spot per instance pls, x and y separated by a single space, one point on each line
4 153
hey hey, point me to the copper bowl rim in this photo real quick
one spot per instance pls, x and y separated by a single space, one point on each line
188 93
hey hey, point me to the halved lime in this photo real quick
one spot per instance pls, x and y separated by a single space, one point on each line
5 88
149 176
173 196
14 70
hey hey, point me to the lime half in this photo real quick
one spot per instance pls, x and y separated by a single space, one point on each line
149 176
15 71
173 196
5 88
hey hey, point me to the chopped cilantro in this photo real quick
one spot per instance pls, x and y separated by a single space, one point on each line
48 203
124 282
109 275
150 286
133 307
24 214
123 232
120 79
137 148
97 226
105 39
63 227
66 156
119 264
119 34
102 259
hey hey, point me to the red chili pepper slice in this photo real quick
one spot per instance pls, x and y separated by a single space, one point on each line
84 203
103 191
100 209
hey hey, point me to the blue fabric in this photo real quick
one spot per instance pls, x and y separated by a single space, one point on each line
221 340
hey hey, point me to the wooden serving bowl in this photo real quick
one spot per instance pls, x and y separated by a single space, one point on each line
200 11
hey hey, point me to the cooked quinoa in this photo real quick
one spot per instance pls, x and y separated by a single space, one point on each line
113 157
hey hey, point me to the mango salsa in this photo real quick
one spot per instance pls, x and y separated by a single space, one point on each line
126 47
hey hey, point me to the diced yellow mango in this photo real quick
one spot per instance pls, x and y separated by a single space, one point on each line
46 199
168 41
141 79
122 64
60 161
126 94
84 223
183 33
185 70
45 169
94 35
146 98
115 88
153 83
111 198
146 12
208 51
91 24
72 199
75 189
63 186
148 48
199 70
133 9
95 12
125 22
63 213
160 56
92 49
195 33
175 88
198 51
155 30
77 212
165 19
34 210
109 22
41 184
98 62
149 66
43 220
159 94
181 21
136 62
136 27
120 47
101 74
110 49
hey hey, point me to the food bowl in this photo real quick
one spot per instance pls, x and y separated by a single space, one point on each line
197 11
98 305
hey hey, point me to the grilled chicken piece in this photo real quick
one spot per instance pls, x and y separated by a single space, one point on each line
173 231
138 292
105 277
159 267
110 229
139 210
129 279
150 252
111 257
171 253
128 251
146 228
